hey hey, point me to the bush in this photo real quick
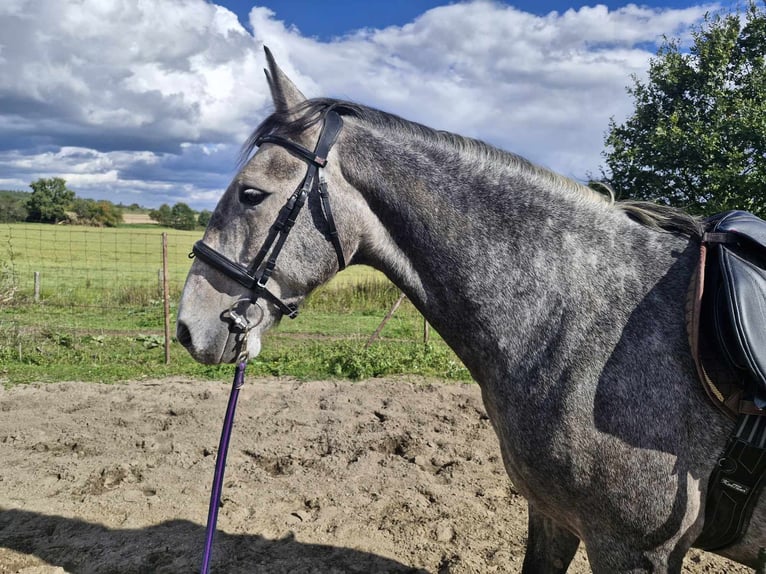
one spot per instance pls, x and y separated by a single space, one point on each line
13 206
97 213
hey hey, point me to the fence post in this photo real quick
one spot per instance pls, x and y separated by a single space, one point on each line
37 286
385 320
166 295
426 331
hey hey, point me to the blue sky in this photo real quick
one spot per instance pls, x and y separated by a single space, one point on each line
135 112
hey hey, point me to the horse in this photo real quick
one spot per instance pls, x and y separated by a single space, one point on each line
566 306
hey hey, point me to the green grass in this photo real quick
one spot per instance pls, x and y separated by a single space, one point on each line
81 265
104 358
100 315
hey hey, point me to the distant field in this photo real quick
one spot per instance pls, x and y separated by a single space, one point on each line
87 264
137 218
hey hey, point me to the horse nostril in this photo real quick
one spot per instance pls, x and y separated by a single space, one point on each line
183 335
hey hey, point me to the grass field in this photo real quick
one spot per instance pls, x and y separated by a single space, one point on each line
100 314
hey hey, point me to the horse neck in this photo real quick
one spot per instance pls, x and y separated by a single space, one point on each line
497 256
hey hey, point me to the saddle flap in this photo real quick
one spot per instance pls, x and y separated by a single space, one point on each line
736 296
744 226
744 338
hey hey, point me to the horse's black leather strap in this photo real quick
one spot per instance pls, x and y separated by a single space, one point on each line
294 148
249 277
314 180
242 276
332 233
735 485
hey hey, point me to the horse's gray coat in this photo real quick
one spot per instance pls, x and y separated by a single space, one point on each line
567 312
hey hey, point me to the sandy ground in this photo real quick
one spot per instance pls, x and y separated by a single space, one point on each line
380 476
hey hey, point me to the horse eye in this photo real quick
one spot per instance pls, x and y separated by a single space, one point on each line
252 197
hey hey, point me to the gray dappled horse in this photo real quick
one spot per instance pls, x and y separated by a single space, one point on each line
567 308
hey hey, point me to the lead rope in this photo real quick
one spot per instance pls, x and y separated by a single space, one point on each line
220 463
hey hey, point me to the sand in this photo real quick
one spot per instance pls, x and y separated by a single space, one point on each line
326 476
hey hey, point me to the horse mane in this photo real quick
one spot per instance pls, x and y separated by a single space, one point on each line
295 121
662 217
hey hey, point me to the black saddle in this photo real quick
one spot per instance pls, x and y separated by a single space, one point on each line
734 300
727 334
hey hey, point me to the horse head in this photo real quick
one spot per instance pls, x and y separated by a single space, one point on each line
247 272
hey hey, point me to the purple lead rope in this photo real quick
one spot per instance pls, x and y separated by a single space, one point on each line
220 465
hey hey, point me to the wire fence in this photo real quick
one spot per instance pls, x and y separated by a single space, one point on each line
110 281
88 302
87 279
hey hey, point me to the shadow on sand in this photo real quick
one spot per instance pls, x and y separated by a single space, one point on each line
173 547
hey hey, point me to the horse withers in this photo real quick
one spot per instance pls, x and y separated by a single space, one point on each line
566 307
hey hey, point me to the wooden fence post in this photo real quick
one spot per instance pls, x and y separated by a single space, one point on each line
390 314
166 295
37 286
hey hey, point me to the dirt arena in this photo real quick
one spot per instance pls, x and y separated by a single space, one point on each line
323 477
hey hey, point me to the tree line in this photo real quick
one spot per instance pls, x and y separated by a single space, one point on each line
180 216
51 201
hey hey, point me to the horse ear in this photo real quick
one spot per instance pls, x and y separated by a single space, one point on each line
283 91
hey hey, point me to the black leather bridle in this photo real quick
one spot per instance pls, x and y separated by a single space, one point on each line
257 274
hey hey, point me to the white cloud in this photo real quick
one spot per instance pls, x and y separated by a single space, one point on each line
193 176
542 86
153 98
177 68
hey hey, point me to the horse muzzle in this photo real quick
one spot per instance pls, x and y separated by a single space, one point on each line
235 336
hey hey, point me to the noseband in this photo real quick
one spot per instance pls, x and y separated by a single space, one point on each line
256 275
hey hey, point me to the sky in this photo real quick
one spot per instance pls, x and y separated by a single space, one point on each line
149 102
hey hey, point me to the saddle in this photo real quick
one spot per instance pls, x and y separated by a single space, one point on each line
726 312
726 319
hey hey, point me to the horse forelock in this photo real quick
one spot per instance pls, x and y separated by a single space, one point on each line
294 122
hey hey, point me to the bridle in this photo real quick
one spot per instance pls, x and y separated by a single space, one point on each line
256 276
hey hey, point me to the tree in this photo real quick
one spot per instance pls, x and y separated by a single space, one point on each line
162 215
13 206
204 218
697 137
180 216
49 201
183 217
97 213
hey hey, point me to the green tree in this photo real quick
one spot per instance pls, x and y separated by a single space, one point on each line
163 215
183 216
49 201
204 218
180 216
97 213
697 137
13 206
